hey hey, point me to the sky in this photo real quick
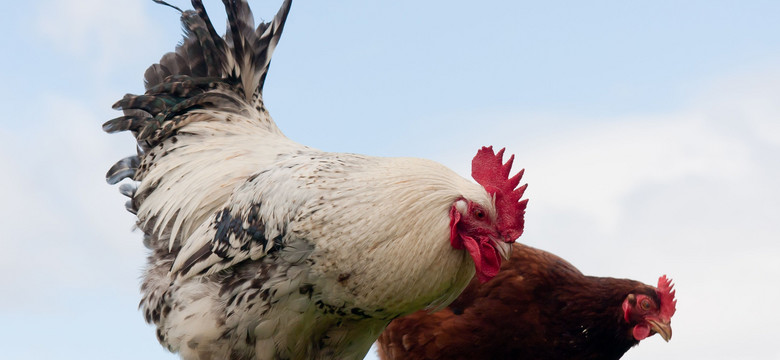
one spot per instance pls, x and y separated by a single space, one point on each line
649 131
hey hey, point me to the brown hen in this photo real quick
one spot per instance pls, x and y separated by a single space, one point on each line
538 307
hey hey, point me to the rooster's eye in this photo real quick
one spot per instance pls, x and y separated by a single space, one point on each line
645 304
479 213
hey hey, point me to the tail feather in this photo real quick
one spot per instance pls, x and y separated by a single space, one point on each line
128 190
200 34
155 74
124 168
127 122
269 33
153 104
208 78
204 62
184 86
240 31
168 5
171 64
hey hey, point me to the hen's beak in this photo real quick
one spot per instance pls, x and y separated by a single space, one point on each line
504 248
663 328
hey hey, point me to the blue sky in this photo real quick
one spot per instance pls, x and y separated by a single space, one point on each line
650 134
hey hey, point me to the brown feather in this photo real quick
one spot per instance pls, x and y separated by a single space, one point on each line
539 306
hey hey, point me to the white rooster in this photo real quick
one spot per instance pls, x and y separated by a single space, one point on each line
262 248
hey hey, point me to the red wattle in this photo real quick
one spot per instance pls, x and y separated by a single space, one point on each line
641 332
487 260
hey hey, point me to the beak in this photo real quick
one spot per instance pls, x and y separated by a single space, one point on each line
504 248
663 328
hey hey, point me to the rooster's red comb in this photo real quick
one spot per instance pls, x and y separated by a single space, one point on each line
666 294
489 171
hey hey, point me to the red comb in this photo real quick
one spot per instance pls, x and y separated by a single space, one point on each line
489 171
666 294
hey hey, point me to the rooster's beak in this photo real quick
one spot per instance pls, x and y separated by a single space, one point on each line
663 328
504 248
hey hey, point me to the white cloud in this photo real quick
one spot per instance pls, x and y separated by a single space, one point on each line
591 169
747 103
27 216
105 33
67 227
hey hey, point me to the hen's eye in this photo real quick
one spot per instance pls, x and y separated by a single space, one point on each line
479 213
645 304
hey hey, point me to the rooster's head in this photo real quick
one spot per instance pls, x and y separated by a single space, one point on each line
488 232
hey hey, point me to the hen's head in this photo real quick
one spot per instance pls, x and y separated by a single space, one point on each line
651 313
488 232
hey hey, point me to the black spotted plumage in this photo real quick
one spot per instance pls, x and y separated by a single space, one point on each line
235 233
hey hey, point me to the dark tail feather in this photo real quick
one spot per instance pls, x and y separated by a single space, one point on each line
213 47
124 168
166 4
204 61
152 104
129 191
267 36
127 122
206 71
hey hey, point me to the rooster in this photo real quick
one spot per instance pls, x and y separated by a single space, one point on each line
538 307
263 248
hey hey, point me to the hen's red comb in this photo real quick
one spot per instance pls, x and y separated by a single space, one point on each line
489 171
666 294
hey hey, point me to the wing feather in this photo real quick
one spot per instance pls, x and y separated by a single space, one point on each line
254 222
